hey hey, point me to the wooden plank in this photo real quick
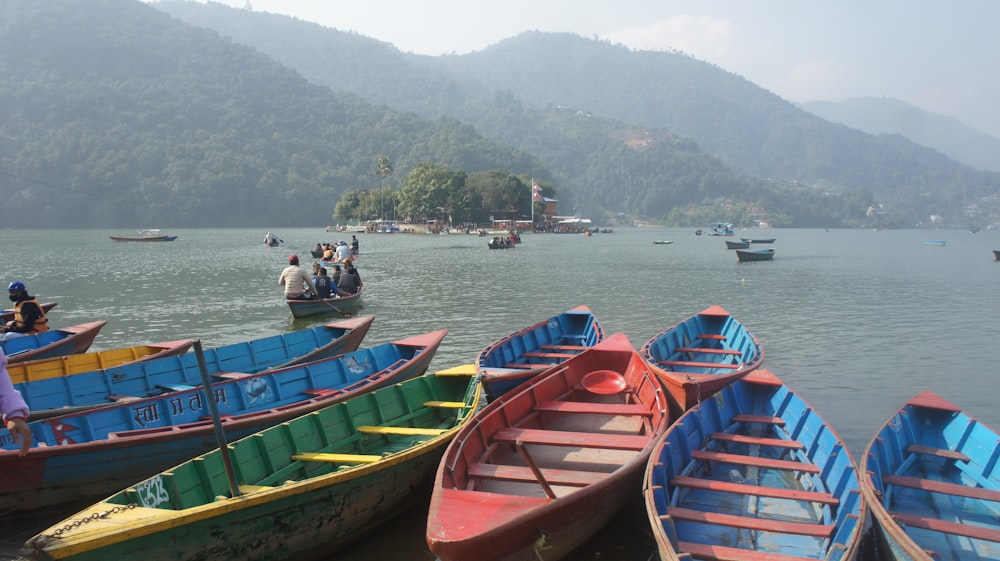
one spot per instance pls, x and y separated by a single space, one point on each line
566 477
723 553
744 439
534 354
708 351
942 487
574 439
759 419
462 370
527 365
321 392
696 364
595 408
953 528
563 347
712 336
938 452
753 461
754 490
406 431
445 404
337 458
751 523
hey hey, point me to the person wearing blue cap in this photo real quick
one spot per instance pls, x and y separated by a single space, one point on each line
29 318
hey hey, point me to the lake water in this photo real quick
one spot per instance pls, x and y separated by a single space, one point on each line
856 321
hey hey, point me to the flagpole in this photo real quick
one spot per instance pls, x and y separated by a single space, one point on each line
532 188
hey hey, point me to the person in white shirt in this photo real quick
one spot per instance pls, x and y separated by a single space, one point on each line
295 279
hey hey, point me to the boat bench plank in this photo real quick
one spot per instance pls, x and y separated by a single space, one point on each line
574 439
595 408
526 365
548 347
939 452
407 431
569 478
942 487
336 458
754 490
943 526
744 439
321 392
753 461
723 553
751 523
230 375
445 404
697 364
711 336
708 351
535 354
759 419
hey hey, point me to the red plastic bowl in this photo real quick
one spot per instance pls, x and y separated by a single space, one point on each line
604 382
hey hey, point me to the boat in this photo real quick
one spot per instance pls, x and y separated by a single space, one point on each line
662 242
703 354
546 465
934 242
513 358
55 367
150 235
755 254
129 382
720 229
500 245
758 240
737 245
8 314
932 481
54 342
343 305
996 254
99 451
755 473
314 483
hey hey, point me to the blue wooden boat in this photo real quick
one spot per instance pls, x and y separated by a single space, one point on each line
52 343
934 242
931 476
514 358
127 382
737 245
99 451
720 229
754 474
311 484
758 240
755 254
343 305
703 354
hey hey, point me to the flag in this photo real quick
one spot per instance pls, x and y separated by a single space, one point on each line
536 191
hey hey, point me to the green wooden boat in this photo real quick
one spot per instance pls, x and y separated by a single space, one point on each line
305 487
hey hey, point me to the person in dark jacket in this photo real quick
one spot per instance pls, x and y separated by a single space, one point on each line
29 317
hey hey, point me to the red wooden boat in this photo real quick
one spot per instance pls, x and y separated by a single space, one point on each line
703 354
546 465
54 342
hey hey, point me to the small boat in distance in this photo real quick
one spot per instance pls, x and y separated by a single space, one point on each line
996 254
54 342
737 245
932 481
755 254
754 473
149 235
758 240
934 242
720 229
662 242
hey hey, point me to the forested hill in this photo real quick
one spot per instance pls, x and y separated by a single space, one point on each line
116 114
731 118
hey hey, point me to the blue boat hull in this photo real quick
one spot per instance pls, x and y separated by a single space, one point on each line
754 470
932 478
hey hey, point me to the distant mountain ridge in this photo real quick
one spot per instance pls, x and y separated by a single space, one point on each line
882 115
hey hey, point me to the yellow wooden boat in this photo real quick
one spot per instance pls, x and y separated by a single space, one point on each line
45 368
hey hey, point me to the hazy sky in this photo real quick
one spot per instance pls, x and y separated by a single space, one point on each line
940 56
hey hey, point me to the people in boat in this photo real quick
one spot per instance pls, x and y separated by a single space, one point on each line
335 276
354 244
343 251
15 411
29 317
318 248
296 281
350 280
270 239
325 287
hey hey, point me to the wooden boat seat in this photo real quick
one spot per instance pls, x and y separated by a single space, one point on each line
752 523
595 408
445 404
759 419
942 487
723 553
548 347
754 490
569 478
528 365
954 528
711 336
230 375
321 392
753 461
534 354
408 431
119 398
938 452
708 351
744 439
336 458
698 364
573 439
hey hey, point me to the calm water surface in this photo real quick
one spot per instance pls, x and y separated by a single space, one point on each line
856 321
